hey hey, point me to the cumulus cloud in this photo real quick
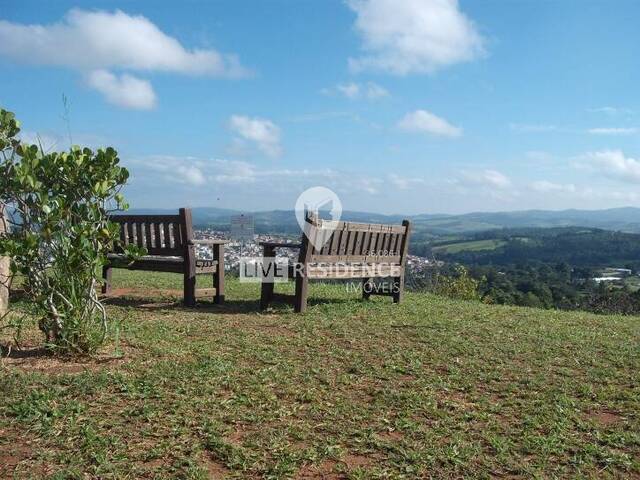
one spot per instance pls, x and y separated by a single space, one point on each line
486 178
354 91
262 132
613 164
88 40
613 131
97 41
413 36
125 90
422 121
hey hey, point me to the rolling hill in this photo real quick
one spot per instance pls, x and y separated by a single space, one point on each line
626 219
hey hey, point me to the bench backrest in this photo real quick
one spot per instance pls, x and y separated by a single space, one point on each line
355 242
162 235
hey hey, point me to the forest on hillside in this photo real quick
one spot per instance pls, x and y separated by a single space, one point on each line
546 267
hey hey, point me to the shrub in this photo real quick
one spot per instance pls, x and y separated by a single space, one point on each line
459 284
57 205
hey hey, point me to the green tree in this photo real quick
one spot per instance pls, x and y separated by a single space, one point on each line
57 205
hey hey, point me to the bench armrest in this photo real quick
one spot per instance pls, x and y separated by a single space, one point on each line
208 241
280 245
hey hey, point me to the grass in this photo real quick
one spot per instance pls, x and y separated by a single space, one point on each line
470 246
429 388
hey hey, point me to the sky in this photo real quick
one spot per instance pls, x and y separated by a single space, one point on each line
399 106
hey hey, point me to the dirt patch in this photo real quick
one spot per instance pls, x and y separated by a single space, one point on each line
37 359
324 471
14 450
238 434
390 436
356 461
215 469
605 418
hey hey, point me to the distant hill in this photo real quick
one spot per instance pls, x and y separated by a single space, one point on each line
625 219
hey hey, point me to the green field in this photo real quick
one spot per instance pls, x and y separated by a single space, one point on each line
472 246
429 388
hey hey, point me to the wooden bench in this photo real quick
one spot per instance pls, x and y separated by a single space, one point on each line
170 247
352 250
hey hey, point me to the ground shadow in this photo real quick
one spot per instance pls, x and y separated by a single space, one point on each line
152 304
230 307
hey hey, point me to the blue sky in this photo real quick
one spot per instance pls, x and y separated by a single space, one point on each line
400 106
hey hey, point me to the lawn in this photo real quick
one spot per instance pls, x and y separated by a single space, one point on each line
429 388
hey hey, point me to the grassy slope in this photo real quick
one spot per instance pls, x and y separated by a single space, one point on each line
470 246
432 387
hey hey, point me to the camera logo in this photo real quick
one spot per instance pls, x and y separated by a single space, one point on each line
318 200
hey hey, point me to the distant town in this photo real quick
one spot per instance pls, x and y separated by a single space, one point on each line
235 250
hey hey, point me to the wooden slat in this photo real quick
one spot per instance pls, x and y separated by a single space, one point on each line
178 236
147 232
130 237
123 234
358 246
344 237
166 241
205 292
351 242
157 244
139 236
335 244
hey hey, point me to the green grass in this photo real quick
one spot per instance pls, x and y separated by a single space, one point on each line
471 246
429 388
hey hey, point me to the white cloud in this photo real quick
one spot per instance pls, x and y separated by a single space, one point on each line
95 42
160 169
422 121
353 91
191 175
611 163
544 186
404 183
486 178
611 111
88 40
413 36
264 133
613 131
349 90
125 91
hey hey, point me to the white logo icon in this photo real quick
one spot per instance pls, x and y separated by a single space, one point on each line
314 201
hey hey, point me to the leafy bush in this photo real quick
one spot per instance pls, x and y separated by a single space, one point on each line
459 284
57 205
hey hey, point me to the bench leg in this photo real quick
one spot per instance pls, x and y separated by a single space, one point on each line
398 289
300 300
218 277
266 294
189 289
106 276
366 288
218 283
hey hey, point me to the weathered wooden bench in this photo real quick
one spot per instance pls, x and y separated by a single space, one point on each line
352 250
170 247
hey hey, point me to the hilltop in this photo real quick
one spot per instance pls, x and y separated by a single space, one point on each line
352 389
